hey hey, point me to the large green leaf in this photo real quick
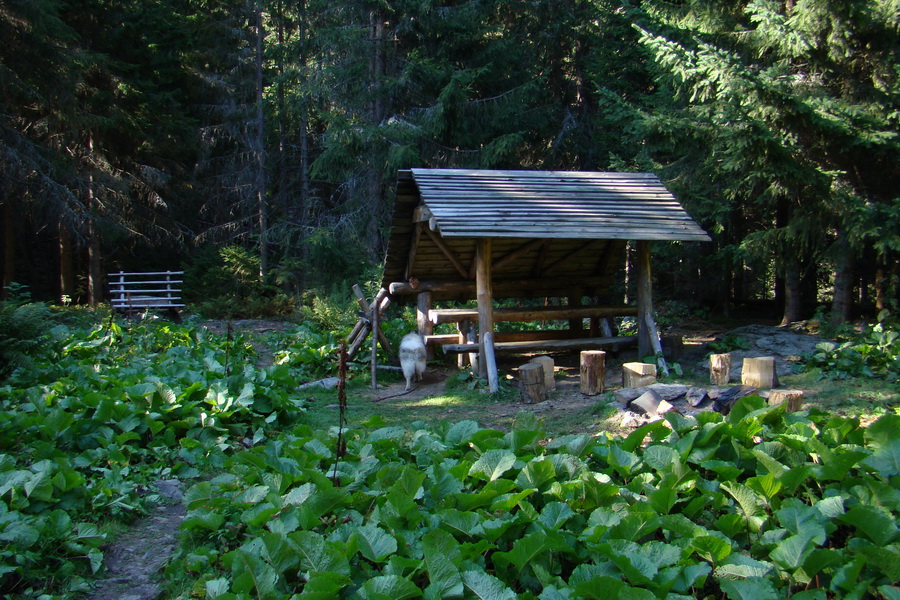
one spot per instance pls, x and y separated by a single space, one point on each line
252 575
791 552
749 501
554 515
442 559
375 543
392 587
874 523
486 587
493 464
886 460
536 473
886 559
711 548
468 523
524 550
318 555
749 589
661 458
461 432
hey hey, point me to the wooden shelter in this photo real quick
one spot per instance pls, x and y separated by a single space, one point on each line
483 234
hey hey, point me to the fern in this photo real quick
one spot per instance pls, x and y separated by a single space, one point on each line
24 334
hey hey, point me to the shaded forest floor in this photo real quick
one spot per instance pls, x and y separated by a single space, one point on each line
450 393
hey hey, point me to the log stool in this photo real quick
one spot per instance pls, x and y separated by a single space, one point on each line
531 383
593 372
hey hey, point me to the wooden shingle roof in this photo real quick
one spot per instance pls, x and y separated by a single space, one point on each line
553 204
548 227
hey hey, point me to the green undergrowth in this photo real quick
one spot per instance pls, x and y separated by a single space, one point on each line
761 504
85 431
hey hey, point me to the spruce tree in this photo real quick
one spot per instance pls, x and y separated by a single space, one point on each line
789 111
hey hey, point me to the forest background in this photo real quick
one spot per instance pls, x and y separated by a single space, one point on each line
255 143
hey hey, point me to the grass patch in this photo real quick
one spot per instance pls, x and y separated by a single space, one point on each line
865 398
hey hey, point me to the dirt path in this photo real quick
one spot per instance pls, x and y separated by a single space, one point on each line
134 560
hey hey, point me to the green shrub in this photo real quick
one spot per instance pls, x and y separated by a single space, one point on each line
872 352
728 343
225 283
25 331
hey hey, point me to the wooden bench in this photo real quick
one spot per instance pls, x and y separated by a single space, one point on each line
547 344
600 336
152 290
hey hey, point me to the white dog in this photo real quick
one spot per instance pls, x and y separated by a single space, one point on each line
412 357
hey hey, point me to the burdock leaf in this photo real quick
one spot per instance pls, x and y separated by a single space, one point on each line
493 464
486 587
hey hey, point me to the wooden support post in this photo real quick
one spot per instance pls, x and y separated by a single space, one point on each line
547 363
636 374
792 398
644 297
593 372
575 324
493 376
423 324
462 327
531 383
374 319
719 369
485 298
759 372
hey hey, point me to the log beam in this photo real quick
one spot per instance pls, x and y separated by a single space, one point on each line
448 253
525 287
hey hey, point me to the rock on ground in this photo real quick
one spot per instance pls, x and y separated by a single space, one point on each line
785 345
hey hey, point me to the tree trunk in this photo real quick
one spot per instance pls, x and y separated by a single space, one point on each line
842 302
260 151
880 286
9 248
95 276
793 298
66 270
377 109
